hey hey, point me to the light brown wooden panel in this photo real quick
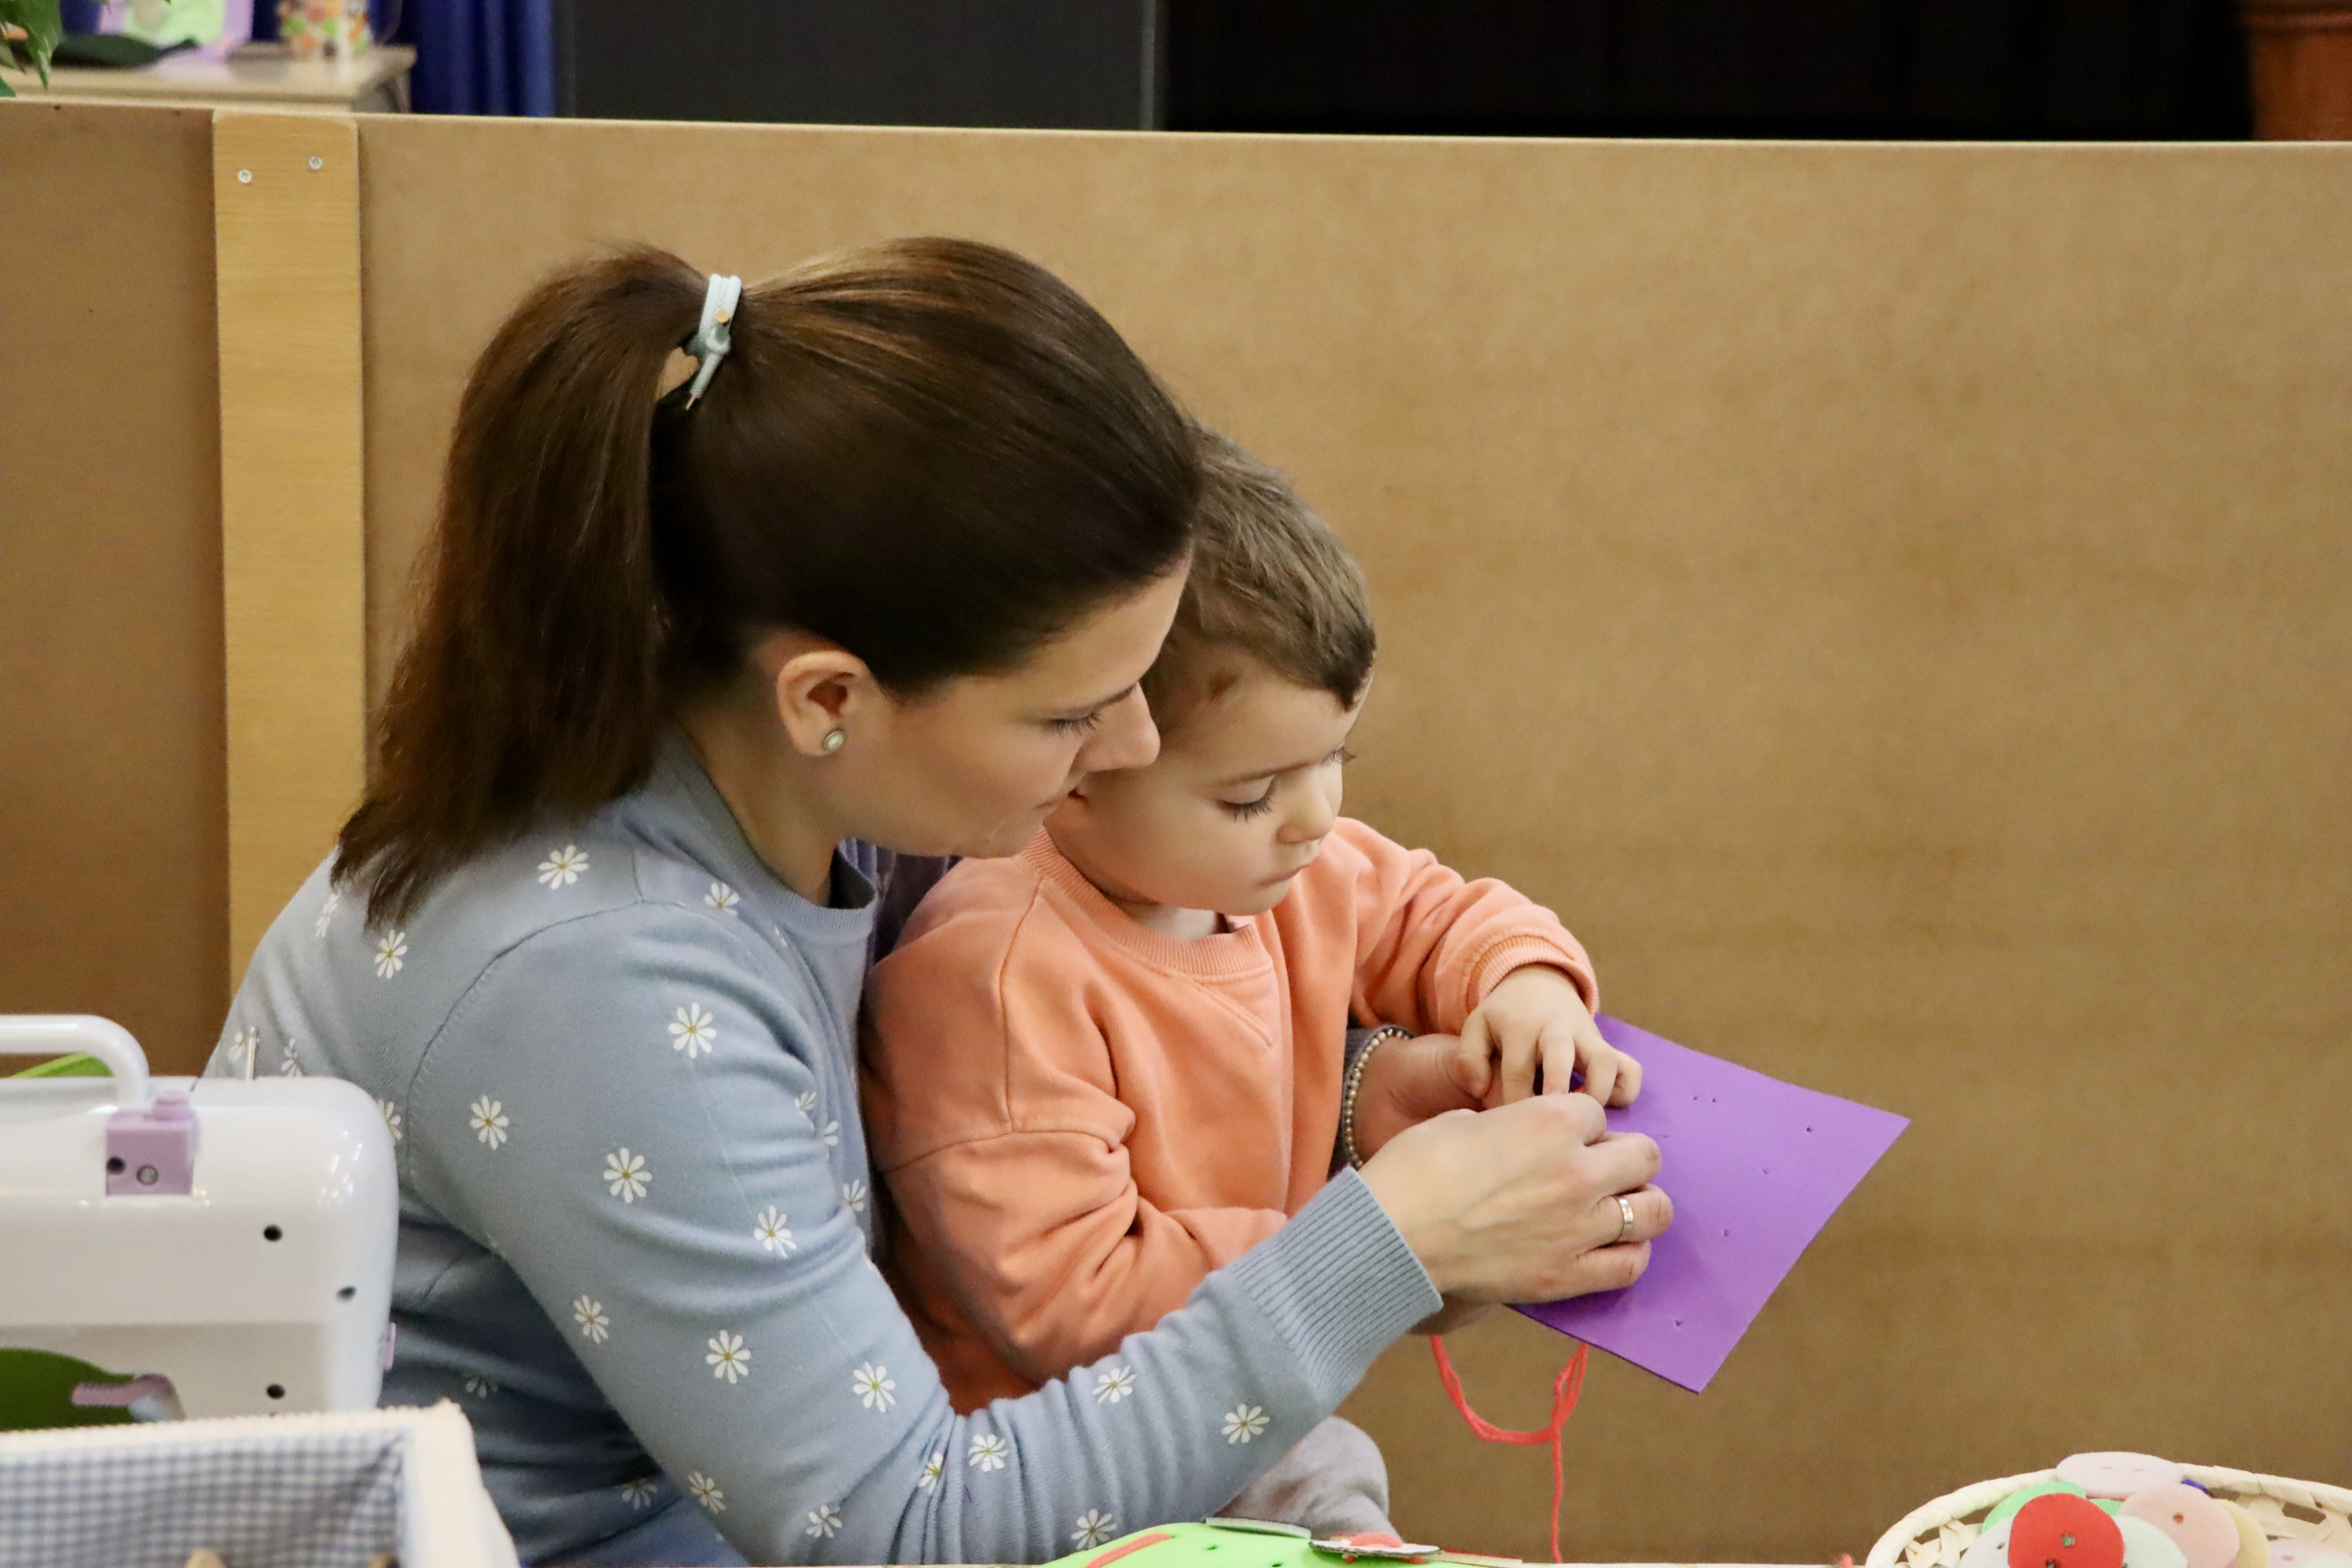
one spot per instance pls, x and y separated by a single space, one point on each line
113 821
285 189
1891 599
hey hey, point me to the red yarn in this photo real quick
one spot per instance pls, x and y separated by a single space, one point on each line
1564 1391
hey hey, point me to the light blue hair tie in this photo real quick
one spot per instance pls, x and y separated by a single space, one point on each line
712 339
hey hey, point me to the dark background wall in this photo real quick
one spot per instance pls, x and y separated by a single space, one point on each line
2060 69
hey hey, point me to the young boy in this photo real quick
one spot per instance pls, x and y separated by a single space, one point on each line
1103 1068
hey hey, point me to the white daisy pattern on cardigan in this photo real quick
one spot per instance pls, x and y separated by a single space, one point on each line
489 1120
1243 1422
824 1520
853 1194
722 898
1094 1527
627 1176
291 1066
589 1315
637 1494
326 914
389 953
562 867
1114 1384
874 1387
772 1233
392 1118
693 1031
243 1048
988 1453
933 1468
727 1357
706 1491
481 1388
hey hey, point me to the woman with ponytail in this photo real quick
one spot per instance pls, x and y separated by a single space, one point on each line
699 677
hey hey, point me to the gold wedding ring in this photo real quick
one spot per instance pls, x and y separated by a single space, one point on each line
1624 1218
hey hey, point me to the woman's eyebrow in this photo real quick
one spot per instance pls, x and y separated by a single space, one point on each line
1120 695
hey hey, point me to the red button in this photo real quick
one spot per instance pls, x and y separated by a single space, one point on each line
2064 1531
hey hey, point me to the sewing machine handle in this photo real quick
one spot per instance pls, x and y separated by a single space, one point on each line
39 1034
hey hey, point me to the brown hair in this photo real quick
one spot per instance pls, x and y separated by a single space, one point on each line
929 450
1271 583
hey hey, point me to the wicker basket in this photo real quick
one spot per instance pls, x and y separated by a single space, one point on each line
1935 1536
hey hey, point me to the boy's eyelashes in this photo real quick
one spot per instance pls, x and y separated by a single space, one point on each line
1078 725
1244 809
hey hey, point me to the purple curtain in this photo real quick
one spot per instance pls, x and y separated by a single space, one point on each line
482 57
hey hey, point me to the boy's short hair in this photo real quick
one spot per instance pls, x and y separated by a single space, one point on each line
1270 583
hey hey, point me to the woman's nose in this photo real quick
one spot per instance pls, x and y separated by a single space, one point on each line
1125 738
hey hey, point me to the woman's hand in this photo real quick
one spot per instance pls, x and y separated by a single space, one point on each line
1535 1017
1407 1081
1520 1204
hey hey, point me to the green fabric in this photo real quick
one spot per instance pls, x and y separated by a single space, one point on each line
36 1389
77 1065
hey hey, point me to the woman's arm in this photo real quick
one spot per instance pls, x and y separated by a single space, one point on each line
674 1208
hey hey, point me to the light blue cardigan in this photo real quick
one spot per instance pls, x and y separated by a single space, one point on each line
619 1061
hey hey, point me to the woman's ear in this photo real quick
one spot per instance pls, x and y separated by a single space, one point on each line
820 690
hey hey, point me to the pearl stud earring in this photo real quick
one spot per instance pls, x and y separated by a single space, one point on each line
835 739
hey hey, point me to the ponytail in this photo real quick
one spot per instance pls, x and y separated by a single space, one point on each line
533 679
930 451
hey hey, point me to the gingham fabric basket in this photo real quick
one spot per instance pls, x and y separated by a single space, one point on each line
1936 1535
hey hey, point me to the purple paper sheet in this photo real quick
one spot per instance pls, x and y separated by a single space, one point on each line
1755 1168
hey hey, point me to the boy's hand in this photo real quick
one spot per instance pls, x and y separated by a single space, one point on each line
1535 1017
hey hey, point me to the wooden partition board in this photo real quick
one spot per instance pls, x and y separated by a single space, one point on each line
113 790
285 194
1894 601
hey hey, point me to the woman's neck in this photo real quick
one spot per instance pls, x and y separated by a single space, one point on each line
765 785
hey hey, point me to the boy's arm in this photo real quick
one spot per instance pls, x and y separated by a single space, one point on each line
994 1115
1430 945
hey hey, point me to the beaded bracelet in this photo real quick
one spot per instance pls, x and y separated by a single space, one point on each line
1354 1081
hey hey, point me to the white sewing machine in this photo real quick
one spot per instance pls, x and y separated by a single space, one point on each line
187 1246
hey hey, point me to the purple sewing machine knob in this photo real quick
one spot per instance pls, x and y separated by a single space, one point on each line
151 1149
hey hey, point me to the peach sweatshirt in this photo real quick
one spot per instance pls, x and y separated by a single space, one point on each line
1079 1118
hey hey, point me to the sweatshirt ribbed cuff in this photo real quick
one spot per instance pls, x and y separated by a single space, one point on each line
1338 1283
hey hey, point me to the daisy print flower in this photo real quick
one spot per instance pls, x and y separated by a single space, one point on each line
932 1467
1114 1384
489 1120
831 1134
246 1045
694 1032
853 1194
722 898
1094 1527
481 1388
326 914
389 953
873 1386
806 1100
705 1491
824 1520
589 1315
627 1176
988 1453
637 1494
1243 1422
772 1233
392 1118
727 1358
562 867
291 1066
